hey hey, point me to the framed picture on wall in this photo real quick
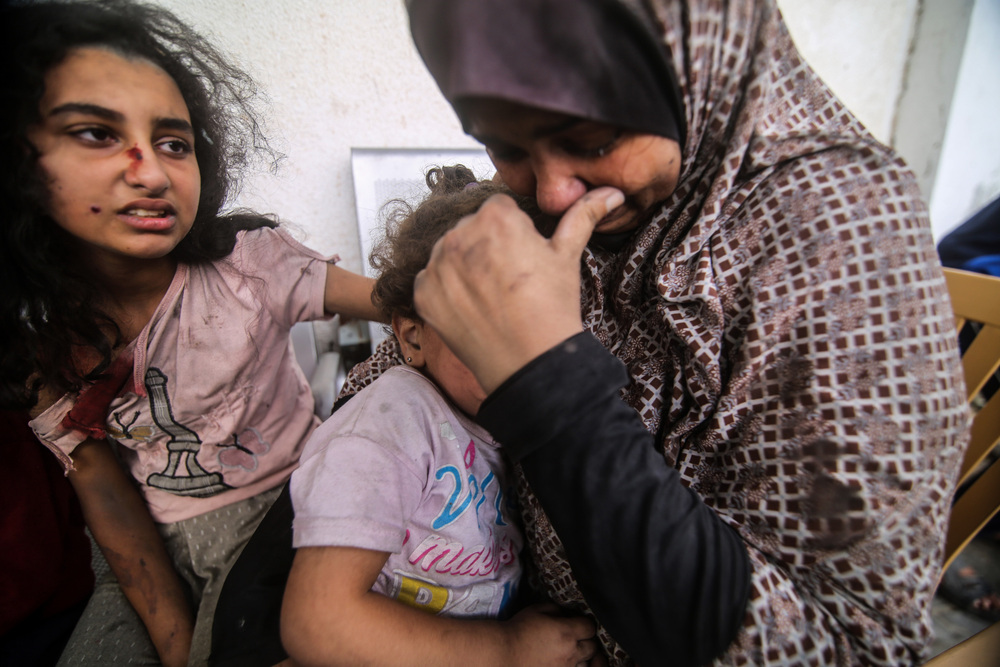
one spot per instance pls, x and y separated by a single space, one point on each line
383 174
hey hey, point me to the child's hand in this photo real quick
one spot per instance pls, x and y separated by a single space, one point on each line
542 635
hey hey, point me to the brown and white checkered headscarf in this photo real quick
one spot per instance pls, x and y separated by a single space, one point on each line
790 341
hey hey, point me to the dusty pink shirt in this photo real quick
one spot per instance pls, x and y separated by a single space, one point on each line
218 410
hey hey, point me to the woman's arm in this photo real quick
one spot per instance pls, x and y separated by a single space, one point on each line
330 616
120 522
662 572
349 294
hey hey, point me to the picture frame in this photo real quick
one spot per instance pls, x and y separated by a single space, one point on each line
383 174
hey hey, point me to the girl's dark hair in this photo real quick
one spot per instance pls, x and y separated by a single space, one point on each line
410 233
46 299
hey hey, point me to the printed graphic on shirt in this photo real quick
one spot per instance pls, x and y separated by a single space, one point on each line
462 496
183 475
451 577
243 451
421 594
123 428
437 554
425 595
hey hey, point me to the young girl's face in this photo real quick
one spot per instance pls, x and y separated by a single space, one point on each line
454 377
424 349
117 148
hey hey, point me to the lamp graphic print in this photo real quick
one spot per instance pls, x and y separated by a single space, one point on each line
183 475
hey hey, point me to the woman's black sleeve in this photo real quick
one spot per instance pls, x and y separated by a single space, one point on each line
663 573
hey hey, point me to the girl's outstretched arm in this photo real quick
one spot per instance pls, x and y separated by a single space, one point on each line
350 295
119 519
330 616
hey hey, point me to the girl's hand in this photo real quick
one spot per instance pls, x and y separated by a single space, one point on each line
120 522
542 635
499 293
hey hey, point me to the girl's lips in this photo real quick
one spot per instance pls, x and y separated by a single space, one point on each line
145 224
149 215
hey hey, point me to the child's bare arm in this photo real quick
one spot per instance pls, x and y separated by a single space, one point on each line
119 519
349 294
331 617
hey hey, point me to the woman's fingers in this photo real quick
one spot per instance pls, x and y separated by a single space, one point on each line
577 224
499 293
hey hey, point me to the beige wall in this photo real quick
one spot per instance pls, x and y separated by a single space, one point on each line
968 167
344 73
859 47
339 74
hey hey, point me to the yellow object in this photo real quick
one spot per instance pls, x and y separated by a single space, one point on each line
422 595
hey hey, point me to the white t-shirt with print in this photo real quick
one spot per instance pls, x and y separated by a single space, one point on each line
399 469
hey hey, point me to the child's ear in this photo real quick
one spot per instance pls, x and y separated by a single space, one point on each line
409 333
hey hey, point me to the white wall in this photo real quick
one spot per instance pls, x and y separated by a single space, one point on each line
339 73
969 171
925 101
343 73
859 48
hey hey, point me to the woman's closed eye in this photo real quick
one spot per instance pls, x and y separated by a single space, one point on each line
500 152
590 141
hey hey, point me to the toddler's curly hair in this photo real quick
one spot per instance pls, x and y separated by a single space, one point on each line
410 233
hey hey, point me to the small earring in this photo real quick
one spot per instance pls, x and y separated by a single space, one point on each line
409 360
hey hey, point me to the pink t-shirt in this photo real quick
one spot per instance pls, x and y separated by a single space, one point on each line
399 469
218 410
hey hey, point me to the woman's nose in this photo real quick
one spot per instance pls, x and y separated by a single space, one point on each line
144 170
556 186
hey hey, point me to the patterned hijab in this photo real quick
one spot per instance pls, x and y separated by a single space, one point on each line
790 341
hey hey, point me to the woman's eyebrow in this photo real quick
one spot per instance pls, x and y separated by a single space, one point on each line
555 128
540 132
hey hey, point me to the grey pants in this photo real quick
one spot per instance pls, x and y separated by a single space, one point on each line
203 549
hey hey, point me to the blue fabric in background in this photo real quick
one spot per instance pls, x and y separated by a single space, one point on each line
989 264
975 244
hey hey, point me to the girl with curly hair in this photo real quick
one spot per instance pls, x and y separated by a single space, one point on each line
140 321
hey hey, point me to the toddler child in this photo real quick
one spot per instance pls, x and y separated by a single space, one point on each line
402 502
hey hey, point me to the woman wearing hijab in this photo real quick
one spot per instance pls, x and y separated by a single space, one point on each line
744 448
734 394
